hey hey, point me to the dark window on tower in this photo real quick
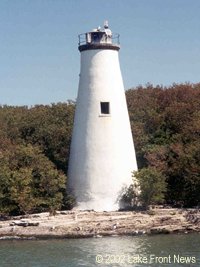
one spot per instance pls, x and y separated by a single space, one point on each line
105 108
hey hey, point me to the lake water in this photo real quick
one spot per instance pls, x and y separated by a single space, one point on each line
159 250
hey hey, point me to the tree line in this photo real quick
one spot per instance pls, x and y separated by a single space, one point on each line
35 143
166 128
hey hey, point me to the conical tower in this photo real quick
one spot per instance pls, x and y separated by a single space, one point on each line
102 154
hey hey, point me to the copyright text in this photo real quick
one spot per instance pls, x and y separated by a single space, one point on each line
144 259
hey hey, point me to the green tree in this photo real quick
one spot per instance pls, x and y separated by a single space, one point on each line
152 185
29 181
166 128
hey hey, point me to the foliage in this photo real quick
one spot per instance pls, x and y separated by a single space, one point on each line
129 196
48 127
34 149
29 181
152 185
166 128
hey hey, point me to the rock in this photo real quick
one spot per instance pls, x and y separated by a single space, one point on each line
167 218
24 223
63 212
159 231
33 224
97 236
151 212
114 226
12 229
78 228
189 228
9 237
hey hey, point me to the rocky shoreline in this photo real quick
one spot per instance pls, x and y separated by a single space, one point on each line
82 224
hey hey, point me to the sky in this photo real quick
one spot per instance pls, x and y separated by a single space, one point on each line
39 57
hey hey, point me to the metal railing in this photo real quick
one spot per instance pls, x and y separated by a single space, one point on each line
83 39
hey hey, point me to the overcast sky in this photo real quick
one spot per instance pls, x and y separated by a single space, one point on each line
39 57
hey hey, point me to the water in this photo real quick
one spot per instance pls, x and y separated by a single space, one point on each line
109 251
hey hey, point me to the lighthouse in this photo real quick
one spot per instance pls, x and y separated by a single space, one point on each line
102 154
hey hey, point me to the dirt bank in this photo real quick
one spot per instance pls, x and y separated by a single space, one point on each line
78 224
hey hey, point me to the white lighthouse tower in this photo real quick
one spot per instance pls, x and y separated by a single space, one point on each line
102 155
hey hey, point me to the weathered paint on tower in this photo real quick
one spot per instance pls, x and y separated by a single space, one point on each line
102 155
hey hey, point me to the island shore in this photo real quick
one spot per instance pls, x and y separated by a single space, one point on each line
79 224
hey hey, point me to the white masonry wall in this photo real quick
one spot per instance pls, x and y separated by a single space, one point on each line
102 155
